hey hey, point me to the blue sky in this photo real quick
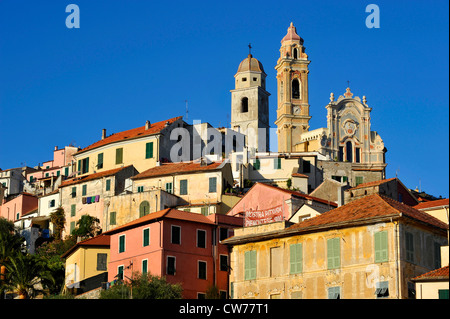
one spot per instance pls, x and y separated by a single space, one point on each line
136 60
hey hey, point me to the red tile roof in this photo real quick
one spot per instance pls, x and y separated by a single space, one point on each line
130 134
437 274
433 203
178 168
166 213
100 240
369 207
90 177
375 183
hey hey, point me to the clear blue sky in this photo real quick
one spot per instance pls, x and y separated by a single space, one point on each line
136 60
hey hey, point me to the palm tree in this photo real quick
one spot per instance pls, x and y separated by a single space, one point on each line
24 274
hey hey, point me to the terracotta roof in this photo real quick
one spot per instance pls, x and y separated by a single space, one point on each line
368 207
178 168
90 177
375 183
100 240
165 213
437 274
130 134
433 203
291 34
300 175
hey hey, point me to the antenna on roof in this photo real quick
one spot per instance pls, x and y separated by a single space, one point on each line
186 109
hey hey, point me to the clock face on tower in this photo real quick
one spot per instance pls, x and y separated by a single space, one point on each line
296 110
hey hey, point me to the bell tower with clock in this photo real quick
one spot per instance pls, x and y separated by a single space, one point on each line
292 79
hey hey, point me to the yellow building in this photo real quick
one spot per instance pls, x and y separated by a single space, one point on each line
87 264
141 147
369 248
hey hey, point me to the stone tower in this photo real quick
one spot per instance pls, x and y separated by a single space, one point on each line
292 79
250 104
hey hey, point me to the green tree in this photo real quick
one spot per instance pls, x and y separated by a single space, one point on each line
58 218
88 226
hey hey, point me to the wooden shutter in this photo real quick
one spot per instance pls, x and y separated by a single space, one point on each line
119 155
146 237
212 184
247 265
183 187
296 258
72 210
121 243
100 161
149 150
381 246
333 253
112 218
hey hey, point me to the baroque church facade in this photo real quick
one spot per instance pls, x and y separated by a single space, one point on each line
347 149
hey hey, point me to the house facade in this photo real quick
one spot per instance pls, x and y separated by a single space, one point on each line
369 248
184 247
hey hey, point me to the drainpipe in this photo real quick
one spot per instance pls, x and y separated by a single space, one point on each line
397 256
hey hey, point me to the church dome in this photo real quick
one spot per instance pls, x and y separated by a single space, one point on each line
292 35
250 64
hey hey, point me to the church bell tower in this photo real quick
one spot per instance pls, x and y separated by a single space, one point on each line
292 79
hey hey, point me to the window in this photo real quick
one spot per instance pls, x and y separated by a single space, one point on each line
223 233
250 265
140 189
296 258
349 150
334 293
149 150
381 246
144 208
66 171
83 165
295 89
357 154
108 184
295 53
382 289
359 180
74 192
276 255
58 173
119 155
244 79
277 163
437 255
183 187
144 266
73 208
201 269
334 253
146 237
72 226
121 243
101 261
201 238
100 161
84 190
169 188
120 272
176 235
244 105
256 165
171 264
443 293
255 79
46 174
52 203
213 184
341 154
223 263
409 247
204 211
306 167
112 218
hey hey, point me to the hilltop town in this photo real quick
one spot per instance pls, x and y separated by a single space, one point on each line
217 213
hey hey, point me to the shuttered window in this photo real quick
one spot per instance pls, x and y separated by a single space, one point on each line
108 184
334 253
101 261
121 243
277 163
256 165
381 246
74 192
144 266
144 208
72 210
112 218
100 161
119 155
334 293
296 258
84 190
409 247
213 184
250 265
146 237
149 150
171 265
183 187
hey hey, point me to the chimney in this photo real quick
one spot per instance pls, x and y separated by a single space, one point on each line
56 148
103 133
147 125
340 195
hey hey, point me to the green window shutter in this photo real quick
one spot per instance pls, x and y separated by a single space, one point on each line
72 210
204 211
359 180
253 264
381 246
146 237
121 243
72 226
149 150
277 163
169 188
443 294
112 218
247 265
333 253
213 184
144 266
296 258
84 190
256 164
183 187
79 167
74 192
144 208
119 155
86 165
66 171
334 293
100 161
108 184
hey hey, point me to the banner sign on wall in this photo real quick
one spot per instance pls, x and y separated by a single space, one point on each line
265 216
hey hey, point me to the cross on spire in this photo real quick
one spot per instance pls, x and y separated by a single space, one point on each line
249 48
348 84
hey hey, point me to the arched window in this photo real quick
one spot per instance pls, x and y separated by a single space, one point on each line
295 53
244 105
295 89
349 150
144 208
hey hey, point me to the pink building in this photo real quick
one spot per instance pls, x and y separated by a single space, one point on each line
184 247
16 207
